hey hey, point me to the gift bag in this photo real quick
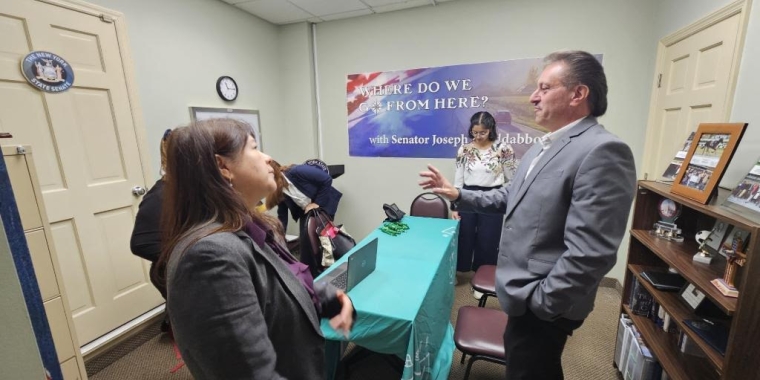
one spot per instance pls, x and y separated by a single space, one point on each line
334 240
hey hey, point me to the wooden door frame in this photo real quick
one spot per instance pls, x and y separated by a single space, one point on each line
741 7
120 24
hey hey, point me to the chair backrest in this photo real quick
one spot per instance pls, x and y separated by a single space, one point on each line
430 205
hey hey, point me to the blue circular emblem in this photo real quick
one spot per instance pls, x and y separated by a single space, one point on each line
47 71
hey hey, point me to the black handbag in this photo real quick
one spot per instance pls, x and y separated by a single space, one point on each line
340 240
393 213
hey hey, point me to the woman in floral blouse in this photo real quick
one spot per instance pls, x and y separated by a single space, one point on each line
481 165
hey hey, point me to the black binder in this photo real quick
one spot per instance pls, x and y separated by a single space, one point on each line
714 333
670 282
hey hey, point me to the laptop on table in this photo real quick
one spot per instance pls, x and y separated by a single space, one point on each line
358 266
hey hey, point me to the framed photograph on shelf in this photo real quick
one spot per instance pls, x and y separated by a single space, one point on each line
736 240
718 235
709 154
745 198
672 170
692 296
251 117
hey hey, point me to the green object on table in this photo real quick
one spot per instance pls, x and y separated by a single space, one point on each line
404 306
394 228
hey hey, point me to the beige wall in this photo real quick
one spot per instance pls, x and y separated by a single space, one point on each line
471 32
746 104
298 119
273 66
181 47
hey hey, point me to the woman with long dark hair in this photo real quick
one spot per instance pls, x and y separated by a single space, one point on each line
481 165
241 306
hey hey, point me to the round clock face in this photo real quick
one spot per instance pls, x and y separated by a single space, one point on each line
668 209
227 88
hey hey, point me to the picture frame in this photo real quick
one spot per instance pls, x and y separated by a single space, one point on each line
691 296
745 197
713 147
742 236
720 230
672 170
251 117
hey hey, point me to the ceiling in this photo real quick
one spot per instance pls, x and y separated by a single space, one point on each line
282 12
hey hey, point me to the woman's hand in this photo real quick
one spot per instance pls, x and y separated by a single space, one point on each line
310 206
455 215
345 320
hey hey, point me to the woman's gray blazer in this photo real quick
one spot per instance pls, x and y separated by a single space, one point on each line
237 312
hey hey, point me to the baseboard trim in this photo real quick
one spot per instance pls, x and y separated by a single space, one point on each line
118 336
609 282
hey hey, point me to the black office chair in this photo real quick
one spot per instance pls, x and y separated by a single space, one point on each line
430 205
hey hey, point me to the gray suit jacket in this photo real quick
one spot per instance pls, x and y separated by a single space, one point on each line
237 311
563 223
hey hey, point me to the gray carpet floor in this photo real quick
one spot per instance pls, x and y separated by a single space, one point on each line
588 354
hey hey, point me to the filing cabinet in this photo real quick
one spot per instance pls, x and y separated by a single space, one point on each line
28 196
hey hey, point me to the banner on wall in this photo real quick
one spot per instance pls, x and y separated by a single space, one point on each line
425 113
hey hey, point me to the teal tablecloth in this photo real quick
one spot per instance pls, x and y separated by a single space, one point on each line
404 306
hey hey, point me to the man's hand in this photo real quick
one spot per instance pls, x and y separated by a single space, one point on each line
438 184
455 215
345 320
310 206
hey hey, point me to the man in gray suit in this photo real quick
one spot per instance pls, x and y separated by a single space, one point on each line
565 214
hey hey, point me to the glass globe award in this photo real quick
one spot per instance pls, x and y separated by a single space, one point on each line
666 228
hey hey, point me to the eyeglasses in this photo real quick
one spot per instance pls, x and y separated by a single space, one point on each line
481 133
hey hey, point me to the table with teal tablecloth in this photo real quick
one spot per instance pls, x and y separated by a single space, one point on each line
404 306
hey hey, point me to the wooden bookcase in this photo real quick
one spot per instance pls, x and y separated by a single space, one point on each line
742 359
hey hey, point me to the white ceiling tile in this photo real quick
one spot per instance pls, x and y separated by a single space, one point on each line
379 3
289 11
400 6
328 7
342 15
275 11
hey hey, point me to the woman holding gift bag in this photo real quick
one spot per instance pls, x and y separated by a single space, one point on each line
301 188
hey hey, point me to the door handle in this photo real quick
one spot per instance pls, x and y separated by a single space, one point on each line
138 191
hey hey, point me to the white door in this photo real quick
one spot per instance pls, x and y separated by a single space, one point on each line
696 81
87 158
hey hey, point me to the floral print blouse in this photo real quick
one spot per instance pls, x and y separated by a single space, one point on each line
489 167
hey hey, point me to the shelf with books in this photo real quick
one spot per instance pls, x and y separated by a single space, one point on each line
664 347
678 313
647 251
679 257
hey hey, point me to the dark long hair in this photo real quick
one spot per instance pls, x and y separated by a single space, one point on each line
486 120
195 193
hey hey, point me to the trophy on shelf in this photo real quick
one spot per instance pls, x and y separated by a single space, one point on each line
666 228
734 259
703 256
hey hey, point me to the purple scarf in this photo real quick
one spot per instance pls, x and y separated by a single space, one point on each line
263 235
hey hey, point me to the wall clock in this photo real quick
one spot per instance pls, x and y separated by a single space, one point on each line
227 88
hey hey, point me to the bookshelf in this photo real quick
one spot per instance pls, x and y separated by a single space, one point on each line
648 252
